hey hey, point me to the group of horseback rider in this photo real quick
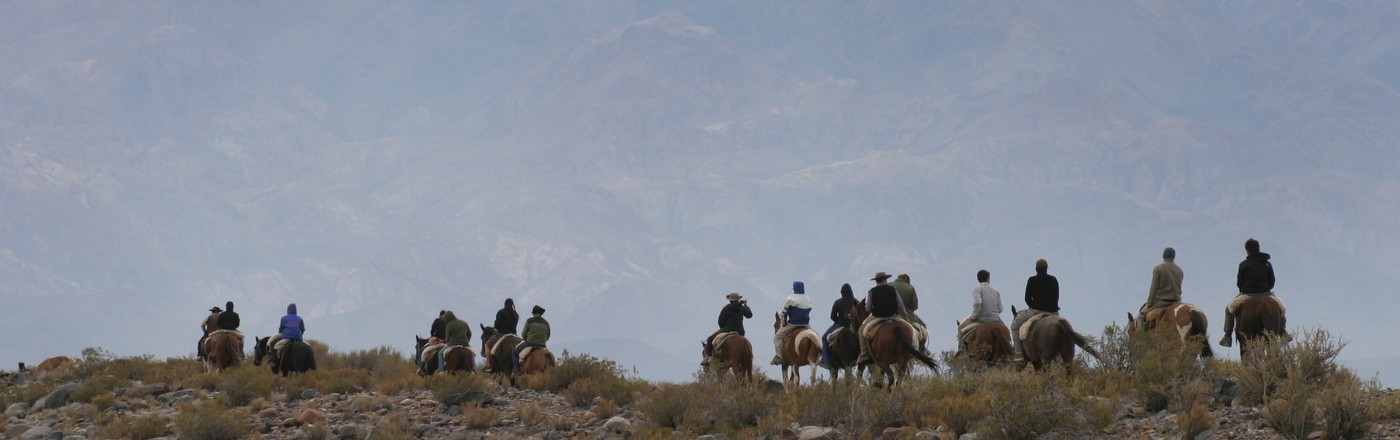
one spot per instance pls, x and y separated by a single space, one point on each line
289 329
450 331
898 300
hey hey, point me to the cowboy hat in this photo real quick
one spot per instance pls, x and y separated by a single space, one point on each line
734 296
881 276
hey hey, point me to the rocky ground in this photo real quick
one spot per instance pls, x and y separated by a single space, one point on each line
506 413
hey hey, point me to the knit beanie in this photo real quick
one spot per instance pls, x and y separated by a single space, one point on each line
537 310
797 287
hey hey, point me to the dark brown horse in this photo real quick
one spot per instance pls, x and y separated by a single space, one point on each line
734 353
498 355
891 346
295 356
221 352
1051 338
989 343
801 348
1257 317
1186 320
844 348
460 358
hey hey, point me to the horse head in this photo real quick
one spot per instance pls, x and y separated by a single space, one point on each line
260 349
1132 322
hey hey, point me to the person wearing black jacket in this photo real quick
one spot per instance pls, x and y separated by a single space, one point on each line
840 317
228 320
1255 277
439 328
882 301
507 318
1042 296
731 319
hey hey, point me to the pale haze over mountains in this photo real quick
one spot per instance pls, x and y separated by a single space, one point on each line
626 164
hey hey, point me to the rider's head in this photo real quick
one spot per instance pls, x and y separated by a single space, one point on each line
537 311
1041 266
1168 253
983 276
1251 246
510 304
228 306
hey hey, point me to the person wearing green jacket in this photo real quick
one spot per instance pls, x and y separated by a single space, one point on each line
458 333
536 334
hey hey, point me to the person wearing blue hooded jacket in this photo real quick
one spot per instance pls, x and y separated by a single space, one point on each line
795 313
289 330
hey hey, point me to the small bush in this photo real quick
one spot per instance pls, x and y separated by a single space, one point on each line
1291 410
1028 406
709 405
94 386
606 408
1346 413
180 372
395 427
1192 407
243 384
316 432
381 363
445 388
532 414
947 404
1161 368
137 427
211 420
584 391
573 368
479 418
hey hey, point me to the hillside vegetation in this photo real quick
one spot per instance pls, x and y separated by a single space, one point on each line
1290 390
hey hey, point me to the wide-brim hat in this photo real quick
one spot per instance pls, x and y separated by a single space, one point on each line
880 276
734 296
215 309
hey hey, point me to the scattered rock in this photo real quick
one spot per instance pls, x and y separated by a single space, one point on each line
310 417
348 432
19 410
57 398
142 391
37 433
894 433
481 398
16 430
820 433
308 394
616 427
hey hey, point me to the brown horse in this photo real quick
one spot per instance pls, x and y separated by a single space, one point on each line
734 353
1188 321
221 352
1257 317
1051 338
891 347
801 348
989 343
458 358
498 355
844 347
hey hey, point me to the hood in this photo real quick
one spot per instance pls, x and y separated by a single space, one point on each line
510 303
1258 256
846 291
292 309
798 288
449 316
228 307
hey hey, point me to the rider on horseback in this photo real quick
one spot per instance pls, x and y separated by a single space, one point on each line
536 335
506 320
228 322
1254 278
1042 296
439 329
986 305
1166 286
840 317
210 324
795 313
882 301
289 330
458 334
909 297
731 319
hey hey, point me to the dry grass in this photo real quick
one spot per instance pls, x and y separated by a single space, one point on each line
211 420
1346 412
137 427
532 414
479 418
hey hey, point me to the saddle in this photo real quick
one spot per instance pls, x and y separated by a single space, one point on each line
496 348
718 342
874 324
430 352
835 335
1026 327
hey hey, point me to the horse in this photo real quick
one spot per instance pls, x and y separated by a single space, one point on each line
1258 317
733 353
801 348
844 347
457 358
221 352
891 346
1188 320
498 355
1050 338
989 343
295 356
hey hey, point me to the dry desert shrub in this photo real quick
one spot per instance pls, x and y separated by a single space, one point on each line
532 414
211 420
1191 403
1291 410
240 386
709 405
137 427
475 417
1347 413
1028 406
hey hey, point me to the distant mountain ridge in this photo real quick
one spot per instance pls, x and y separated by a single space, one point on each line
627 165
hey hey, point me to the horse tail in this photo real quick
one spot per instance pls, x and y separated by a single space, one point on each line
745 361
914 351
1272 317
1199 327
1068 332
230 355
813 344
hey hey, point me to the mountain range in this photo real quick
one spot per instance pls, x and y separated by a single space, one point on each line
626 164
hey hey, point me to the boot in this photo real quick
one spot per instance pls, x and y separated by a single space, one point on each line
1227 340
864 358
